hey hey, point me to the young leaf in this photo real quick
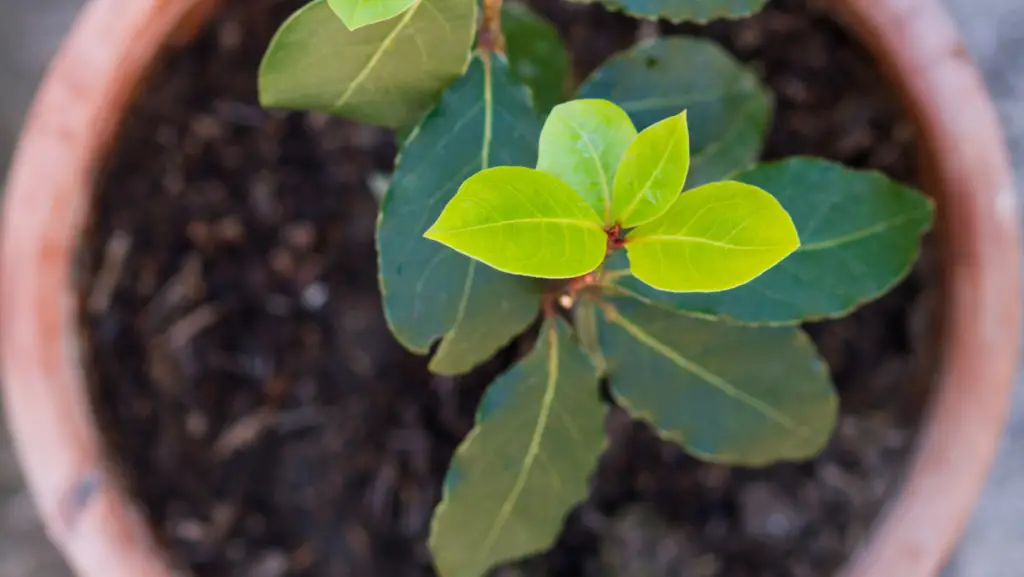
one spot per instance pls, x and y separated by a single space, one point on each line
522 221
652 172
387 74
358 13
684 10
727 107
429 290
513 480
536 54
713 238
730 394
860 234
582 143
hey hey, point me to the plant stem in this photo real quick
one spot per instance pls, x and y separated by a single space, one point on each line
490 38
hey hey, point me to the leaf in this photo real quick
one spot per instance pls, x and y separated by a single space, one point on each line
536 54
729 394
429 290
358 13
582 143
522 221
713 238
727 107
513 480
860 233
584 320
387 74
652 172
684 10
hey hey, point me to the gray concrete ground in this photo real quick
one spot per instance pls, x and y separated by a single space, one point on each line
994 543
994 32
29 33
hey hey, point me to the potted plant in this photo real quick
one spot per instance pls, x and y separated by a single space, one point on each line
700 356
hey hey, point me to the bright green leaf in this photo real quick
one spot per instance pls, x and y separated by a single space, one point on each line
727 107
860 233
684 10
536 54
387 74
513 480
582 143
727 393
429 290
652 172
522 221
713 238
358 13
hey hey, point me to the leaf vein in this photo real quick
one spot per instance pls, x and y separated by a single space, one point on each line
861 233
532 451
388 41
707 376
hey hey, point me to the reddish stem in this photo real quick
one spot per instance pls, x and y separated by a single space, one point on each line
490 37
615 238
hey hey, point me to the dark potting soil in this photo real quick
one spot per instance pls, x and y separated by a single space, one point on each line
270 425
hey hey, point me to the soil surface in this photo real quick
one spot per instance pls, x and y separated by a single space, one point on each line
270 425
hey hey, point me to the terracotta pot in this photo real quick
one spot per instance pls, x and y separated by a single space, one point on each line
83 99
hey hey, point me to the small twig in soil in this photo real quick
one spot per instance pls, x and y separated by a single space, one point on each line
188 326
114 256
163 368
298 419
223 517
242 433
175 292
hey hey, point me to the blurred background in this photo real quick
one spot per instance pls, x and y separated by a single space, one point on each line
30 31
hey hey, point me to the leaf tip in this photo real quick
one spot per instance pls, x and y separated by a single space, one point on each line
348 19
433 234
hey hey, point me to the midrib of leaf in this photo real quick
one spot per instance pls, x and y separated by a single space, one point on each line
661 164
485 159
862 233
485 150
572 221
532 451
675 238
607 197
388 41
714 380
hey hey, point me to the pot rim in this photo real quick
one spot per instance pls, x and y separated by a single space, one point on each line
82 101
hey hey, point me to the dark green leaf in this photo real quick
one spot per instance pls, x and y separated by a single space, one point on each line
684 10
429 290
522 221
358 13
582 143
652 172
536 54
713 238
388 73
727 108
584 319
861 233
513 480
727 393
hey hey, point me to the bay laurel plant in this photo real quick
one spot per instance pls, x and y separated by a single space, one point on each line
629 214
